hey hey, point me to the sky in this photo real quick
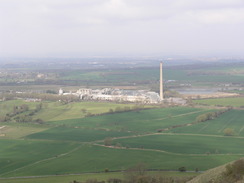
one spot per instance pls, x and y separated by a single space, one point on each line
79 28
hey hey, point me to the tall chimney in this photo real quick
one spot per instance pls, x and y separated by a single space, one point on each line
161 81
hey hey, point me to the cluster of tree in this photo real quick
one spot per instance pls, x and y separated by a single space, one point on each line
210 115
16 111
22 114
124 109
19 109
171 93
27 119
51 92
4 118
42 96
229 132
108 141
36 110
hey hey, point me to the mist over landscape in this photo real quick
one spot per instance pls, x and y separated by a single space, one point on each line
121 28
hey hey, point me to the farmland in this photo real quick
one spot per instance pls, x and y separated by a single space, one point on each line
142 121
138 77
94 158
79 137
52 111
77 145
205 76
235 102
232 119
187 144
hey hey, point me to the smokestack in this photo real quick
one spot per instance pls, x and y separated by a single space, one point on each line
161 81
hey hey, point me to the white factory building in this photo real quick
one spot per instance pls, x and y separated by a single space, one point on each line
109 94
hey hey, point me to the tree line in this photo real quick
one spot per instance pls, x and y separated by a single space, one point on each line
22 114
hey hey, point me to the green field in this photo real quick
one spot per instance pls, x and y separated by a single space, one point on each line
235 102
74 146
76 134
232 119
17 154
142 121
18 131
94 158
71 139
186 144
52 111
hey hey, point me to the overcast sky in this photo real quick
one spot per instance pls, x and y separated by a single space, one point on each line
63 28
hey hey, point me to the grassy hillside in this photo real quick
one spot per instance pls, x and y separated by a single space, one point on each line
232 172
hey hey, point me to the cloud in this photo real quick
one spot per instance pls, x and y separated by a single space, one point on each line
40 26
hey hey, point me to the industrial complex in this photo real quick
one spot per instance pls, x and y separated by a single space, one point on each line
110 94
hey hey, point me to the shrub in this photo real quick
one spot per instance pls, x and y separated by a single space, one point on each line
108 141
182 169
228 132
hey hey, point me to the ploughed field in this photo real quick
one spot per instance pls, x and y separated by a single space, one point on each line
162 138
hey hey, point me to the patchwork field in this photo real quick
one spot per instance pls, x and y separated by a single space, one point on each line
162 138
94 158
143 121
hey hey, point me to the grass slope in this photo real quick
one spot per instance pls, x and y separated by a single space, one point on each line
216 174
